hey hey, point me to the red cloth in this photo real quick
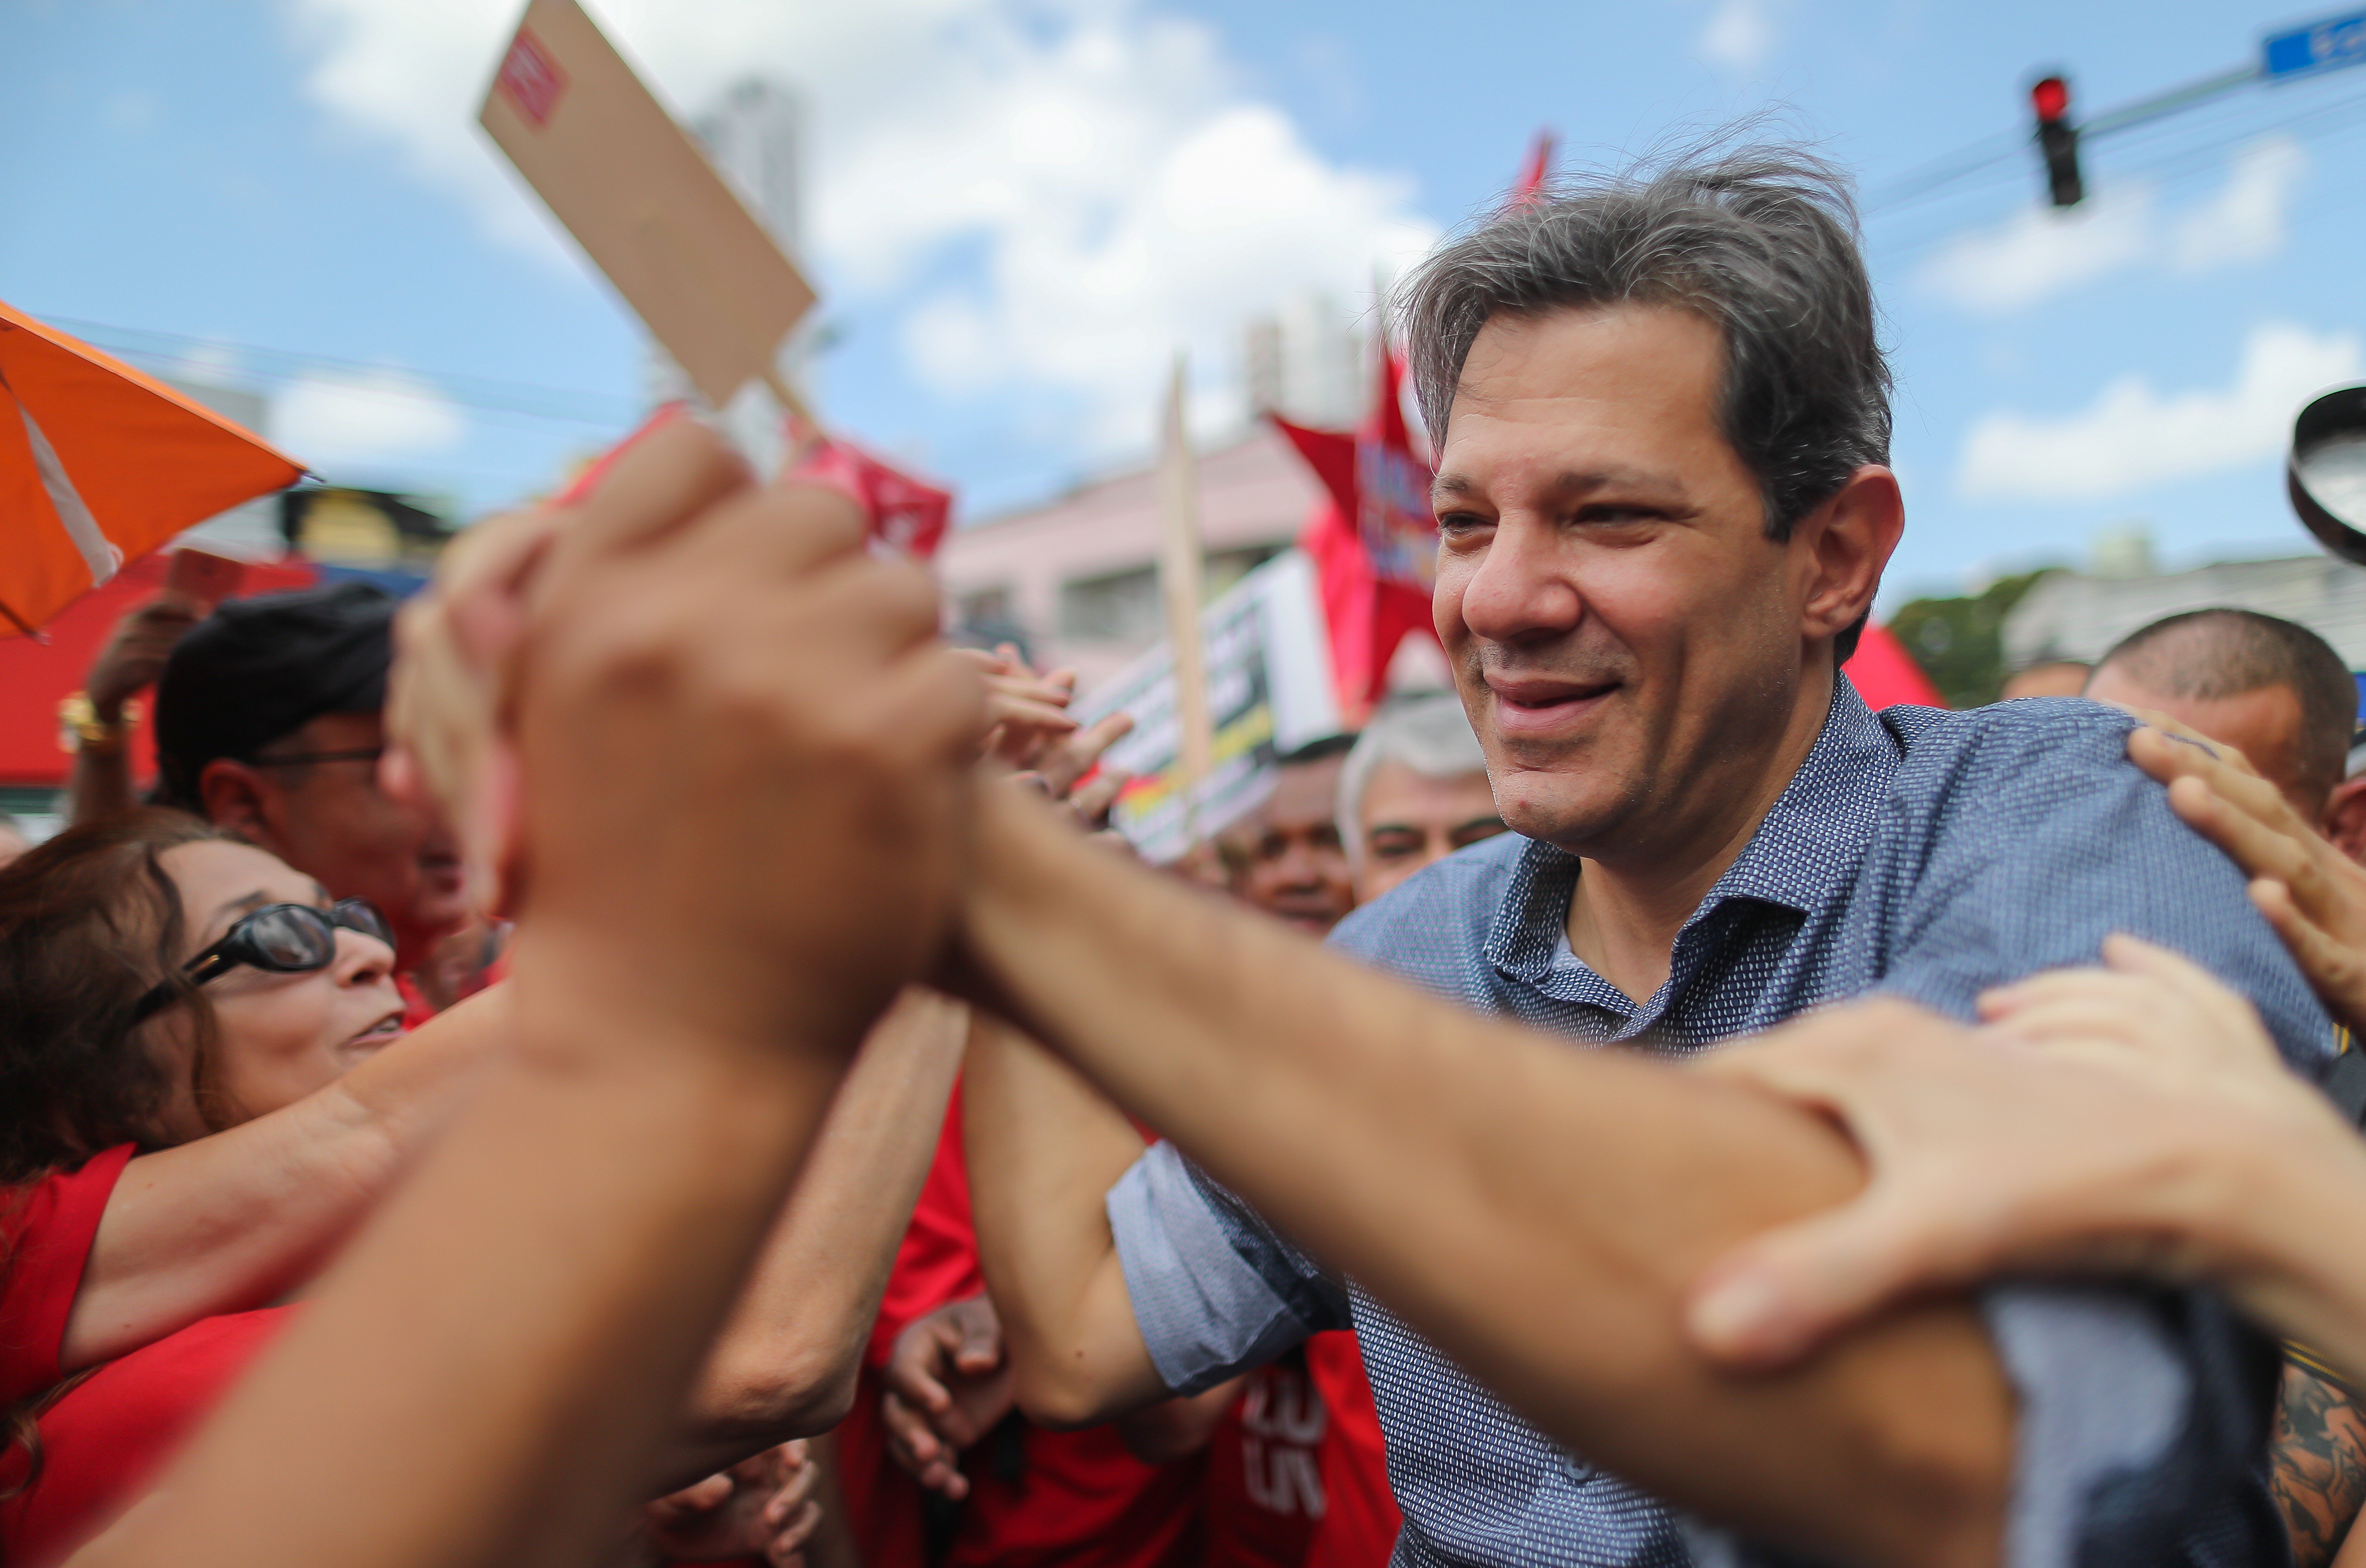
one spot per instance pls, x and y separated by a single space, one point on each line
1375 544
105 1439
1078 1500
1266 1498
1367 617
46 1229
416 1008
1885 674
1533 173
34 675
1361 1521
899 511
104 1442
1298 1472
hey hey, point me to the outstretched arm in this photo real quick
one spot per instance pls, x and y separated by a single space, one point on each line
1534 1210
493 1371
785 1363
234 1220
1043 1151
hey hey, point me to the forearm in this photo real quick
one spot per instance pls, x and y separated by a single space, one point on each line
1536 1211
491 1373
99 784
2317 1464
2274 1218
786 1361
1044 1150
235 1220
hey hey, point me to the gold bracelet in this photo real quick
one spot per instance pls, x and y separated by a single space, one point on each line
80 727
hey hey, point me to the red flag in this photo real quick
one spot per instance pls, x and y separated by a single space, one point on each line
898 510
1374 542
1532 172
1885 674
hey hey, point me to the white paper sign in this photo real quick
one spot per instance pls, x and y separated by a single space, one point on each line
1269 673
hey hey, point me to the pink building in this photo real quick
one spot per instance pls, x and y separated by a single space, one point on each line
1078 576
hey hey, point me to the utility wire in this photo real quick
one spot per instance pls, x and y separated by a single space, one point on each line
1986 154
485 394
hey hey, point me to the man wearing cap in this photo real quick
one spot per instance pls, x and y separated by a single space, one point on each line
268 724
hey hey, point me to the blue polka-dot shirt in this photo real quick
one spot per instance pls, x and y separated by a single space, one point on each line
1917 852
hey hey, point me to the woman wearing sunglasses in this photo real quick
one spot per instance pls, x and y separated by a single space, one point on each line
205 1085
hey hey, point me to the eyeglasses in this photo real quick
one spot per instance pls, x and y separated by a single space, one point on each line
284 939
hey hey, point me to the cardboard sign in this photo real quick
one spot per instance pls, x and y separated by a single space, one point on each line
642 200
1268 693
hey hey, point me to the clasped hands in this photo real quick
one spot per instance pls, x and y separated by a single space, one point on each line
747 753
819 740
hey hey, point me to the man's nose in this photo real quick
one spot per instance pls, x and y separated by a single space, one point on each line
1300 866
1520 588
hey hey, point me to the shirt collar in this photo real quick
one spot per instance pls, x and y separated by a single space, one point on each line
1800 857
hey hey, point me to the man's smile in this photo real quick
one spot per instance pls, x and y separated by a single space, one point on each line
1537 705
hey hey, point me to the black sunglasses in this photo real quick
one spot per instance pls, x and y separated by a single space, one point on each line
285 939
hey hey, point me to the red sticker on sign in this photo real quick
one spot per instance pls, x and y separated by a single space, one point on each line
530 79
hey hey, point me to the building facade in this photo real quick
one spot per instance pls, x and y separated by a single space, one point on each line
2076 615
1075 580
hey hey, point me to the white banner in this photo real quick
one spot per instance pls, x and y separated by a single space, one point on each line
1267 660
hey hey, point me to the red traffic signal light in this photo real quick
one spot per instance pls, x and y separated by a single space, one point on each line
2057 139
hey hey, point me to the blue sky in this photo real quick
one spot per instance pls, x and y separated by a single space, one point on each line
1022 207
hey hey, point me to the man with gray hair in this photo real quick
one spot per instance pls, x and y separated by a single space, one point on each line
1661 416
1415 790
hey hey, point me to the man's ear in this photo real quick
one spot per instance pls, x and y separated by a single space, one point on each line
240 798
1843 546
2344 821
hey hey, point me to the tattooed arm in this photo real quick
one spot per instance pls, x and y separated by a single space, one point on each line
2319 1463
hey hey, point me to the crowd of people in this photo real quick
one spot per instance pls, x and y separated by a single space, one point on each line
646 1054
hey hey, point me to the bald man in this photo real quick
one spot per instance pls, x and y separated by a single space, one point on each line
2277 694
2273 691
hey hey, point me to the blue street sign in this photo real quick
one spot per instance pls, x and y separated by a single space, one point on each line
2321 46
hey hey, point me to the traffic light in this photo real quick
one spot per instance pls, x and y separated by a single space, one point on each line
2057 139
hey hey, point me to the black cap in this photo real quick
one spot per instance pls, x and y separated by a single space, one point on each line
260 668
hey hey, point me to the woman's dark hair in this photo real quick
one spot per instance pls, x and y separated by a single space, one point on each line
89 922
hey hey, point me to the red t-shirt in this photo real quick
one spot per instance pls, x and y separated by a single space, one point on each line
46 1229
103 1441
1360 1520
1297 1472
1077 1499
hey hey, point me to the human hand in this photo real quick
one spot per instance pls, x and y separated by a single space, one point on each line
712 848
765 1506
449 746
448 741
949 1383
1032 731
1026 712
2079 1130
134 653
2311 893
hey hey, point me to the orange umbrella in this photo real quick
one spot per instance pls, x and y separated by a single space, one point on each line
99 465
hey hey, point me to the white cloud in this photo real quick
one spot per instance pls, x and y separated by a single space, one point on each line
2245 222
2041 251
1738 36
1086 175
2131 435
358 419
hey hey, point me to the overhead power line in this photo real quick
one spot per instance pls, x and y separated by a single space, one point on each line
551 404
